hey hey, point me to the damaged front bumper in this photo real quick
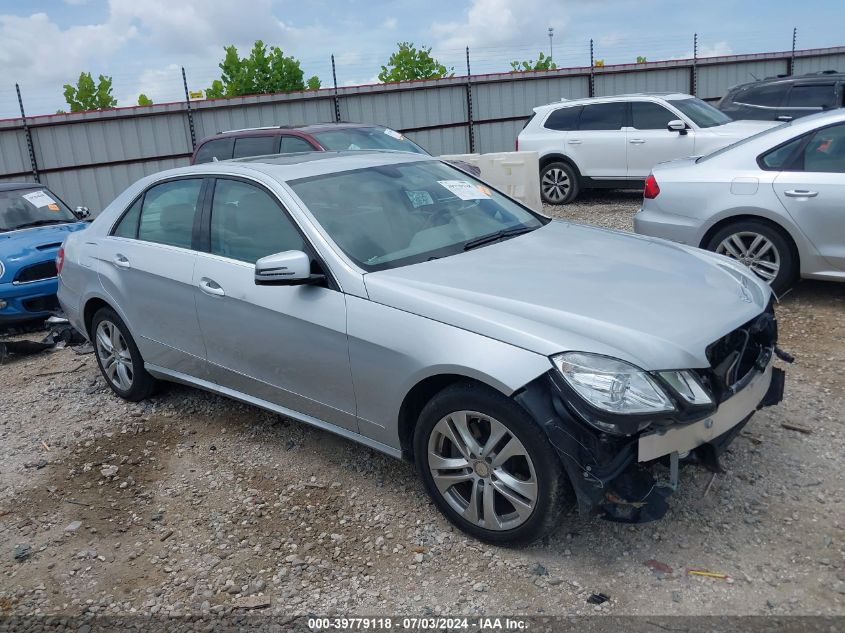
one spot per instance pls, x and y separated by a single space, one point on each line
613 475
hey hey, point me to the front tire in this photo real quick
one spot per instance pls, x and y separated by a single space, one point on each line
118 357
488 466
558 183
761 247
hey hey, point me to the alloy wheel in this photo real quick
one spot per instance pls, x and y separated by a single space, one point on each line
482 470
114 355
555 185
755 251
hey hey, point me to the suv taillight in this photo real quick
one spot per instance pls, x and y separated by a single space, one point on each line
651 190
60 260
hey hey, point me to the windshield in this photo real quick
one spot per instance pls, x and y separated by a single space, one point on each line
394 215
33 206
700 112
366 138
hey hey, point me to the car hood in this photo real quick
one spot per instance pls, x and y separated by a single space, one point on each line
569 286
742 129
38 242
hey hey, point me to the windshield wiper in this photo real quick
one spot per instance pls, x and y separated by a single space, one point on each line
42 223
497 236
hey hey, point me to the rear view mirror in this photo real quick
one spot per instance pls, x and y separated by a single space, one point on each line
290 268
676 125
82 213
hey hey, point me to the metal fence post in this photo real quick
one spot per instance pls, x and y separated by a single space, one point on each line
592 88
336 98
189 111
790 64
470 125
693 77
28 133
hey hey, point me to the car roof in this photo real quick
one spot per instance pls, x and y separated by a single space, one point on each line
11 186
822 76
287 167
276 130
668 96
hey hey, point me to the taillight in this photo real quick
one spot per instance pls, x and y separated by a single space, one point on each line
651 190
60 260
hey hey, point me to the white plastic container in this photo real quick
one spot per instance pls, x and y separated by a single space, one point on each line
515 173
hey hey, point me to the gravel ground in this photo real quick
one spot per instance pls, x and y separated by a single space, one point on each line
191 503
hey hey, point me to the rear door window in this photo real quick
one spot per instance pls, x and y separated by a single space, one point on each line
812 96
769 96
563 119
167 214
292 144
650 116
825 151
603 116
220 148
255 146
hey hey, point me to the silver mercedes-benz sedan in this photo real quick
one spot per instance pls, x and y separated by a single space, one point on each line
775 201
401 303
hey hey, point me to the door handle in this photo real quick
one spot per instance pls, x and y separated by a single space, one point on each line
637 141
800 193
211 287
574 141
121 261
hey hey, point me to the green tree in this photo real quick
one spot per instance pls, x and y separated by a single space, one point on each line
313 83
264 71
542 63
641 59
144 100
87 95
411 63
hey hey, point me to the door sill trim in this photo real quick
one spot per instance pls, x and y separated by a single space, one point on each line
187 379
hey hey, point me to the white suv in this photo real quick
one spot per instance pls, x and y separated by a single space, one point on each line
613 142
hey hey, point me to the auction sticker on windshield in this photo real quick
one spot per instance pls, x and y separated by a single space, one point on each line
394 134
38 199
464 190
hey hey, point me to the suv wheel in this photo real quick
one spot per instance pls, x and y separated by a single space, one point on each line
558 183
488 466
118 357
762 248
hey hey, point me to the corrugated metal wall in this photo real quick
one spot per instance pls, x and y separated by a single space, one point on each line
89 158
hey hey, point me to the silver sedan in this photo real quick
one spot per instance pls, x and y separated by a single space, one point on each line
403 304
775 201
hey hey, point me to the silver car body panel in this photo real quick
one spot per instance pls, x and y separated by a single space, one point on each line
697 195
355 351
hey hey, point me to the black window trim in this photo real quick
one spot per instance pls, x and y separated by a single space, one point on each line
202 228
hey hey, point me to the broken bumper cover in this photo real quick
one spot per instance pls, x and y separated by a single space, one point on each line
611 475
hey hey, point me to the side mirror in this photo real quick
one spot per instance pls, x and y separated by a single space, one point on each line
290 268
82 213
676 125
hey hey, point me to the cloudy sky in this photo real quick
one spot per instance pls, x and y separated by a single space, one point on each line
143 43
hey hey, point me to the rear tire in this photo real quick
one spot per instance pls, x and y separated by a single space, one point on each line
118 357
558 183
488 466
760 246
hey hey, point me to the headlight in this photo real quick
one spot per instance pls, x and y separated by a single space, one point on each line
612 385
687 386
2 270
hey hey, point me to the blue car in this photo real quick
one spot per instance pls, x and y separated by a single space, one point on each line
33 224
